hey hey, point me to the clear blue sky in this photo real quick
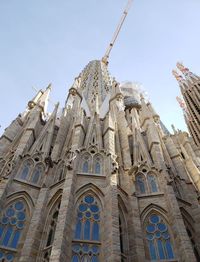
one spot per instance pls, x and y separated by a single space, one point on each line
43 41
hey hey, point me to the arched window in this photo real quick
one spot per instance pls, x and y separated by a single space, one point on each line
85 167
59 172
98 164
123 233
146 183
152 183
140 183
12 223
25 172
37 173
51 229
85 163
97 168
188 221
86 241
30 173
158 239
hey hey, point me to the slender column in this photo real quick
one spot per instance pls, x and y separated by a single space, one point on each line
183 247
137 251
61 247
34 234
112 235
122 125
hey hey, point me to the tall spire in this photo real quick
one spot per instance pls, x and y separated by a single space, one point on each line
43 100
190 89
116 33
186 72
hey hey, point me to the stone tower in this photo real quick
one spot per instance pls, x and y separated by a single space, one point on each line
190 88
104 182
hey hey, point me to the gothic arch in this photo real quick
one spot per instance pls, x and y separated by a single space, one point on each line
25 161
98 160
37 157
90 187
31 170
122 204
87 226
14 220
85 164
123 229
23 195
50 225
37 173
153 208
59 171
158 236
187 216
146 181
189 222
54 198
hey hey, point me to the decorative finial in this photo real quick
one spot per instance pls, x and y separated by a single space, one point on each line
49 86
174 129
182 68
141 97
181 102
184 107
187 73
178 77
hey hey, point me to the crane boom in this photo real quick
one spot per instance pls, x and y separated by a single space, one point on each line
116 33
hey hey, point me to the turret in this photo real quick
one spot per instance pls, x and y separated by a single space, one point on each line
190 89
33 121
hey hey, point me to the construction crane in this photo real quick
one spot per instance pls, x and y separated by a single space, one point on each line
106 56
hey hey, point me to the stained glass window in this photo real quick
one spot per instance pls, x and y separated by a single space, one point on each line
60 172
140 180
29 174
85 167
152 183
158 239
146 183
26 170
97 168
37 174
51 229
87 229
12 223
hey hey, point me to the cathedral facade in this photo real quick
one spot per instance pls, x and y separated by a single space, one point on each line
103 182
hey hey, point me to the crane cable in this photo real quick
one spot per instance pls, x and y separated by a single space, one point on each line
116 33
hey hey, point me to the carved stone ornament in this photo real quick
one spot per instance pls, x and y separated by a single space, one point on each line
72 91
120 105
71 156
114 164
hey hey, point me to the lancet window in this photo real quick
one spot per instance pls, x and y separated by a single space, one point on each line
98 164
188 221
12 223
92 164
146 183
123 236
30 172
86 162
51 228
37 172
60 172
26 169
158 239
86 242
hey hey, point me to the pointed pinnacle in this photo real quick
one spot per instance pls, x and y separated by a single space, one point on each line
49 86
